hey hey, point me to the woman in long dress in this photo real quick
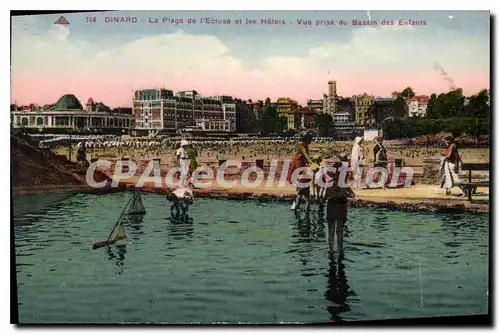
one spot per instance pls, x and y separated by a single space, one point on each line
357 159
449 165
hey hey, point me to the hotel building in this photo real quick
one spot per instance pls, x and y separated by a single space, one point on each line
308 118
370 110
316 105
288 108
160 109
69 113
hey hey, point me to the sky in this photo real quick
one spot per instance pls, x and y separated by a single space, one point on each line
108 61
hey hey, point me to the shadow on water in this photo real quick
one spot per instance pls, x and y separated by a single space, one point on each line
337 289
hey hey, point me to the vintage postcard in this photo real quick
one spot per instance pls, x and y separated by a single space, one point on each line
250 167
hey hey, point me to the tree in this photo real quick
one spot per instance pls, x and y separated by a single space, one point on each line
478 105
400 108
451 104
270 122
324 122
432 107
408 93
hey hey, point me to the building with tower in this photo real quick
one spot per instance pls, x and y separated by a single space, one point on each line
330 99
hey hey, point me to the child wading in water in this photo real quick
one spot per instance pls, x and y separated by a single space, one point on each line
302 159
336 207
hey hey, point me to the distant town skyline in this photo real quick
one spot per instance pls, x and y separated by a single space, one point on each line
108 61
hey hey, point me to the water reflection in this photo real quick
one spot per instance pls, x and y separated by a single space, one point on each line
310 231
337 289
310 226
181 227
134 223
116 253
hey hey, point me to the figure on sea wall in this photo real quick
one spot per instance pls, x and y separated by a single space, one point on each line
193 164
379 157
183 161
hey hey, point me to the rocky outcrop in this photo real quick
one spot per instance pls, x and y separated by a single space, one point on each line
32 167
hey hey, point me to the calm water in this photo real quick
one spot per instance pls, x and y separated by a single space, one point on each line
244 262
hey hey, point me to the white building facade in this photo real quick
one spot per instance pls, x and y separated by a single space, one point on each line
417 106
69 113
340 117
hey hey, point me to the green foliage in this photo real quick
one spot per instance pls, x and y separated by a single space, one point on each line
458 126
478 105
455 104
407 93
432 111
271 122
400 108
324 123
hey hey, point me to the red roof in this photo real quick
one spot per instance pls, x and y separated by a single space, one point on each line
90 101
420 98
308 110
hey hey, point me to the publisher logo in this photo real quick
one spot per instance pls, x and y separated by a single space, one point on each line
61 20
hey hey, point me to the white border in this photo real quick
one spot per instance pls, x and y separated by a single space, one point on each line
193 4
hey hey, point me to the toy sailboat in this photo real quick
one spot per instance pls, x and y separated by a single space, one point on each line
134 206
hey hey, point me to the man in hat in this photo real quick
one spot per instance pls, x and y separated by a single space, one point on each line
183 161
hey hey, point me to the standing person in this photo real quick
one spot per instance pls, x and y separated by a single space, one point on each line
379 157
357 159
302 159
316 175
81 154
336 208
192 154
183 161
449 165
